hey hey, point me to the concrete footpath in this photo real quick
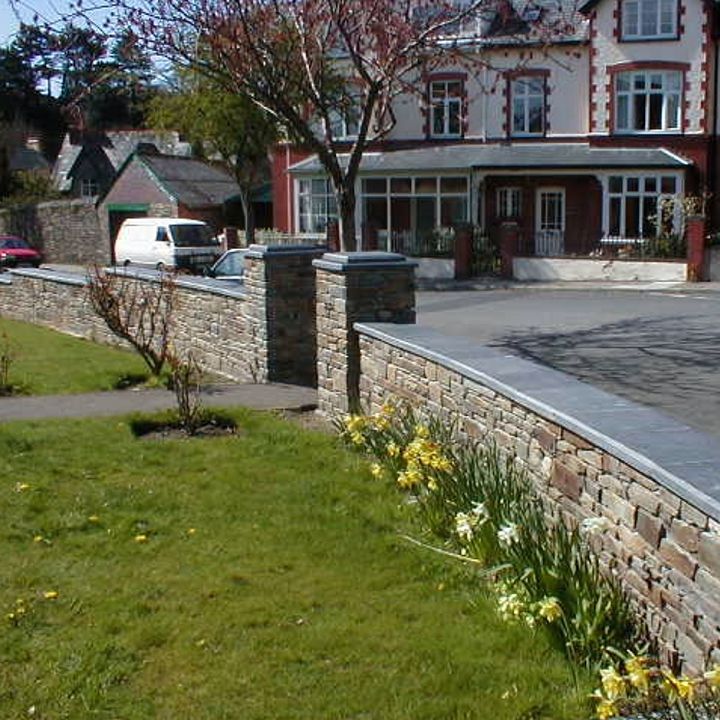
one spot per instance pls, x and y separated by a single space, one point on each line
272 396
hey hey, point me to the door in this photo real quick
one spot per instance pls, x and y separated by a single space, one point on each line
550 221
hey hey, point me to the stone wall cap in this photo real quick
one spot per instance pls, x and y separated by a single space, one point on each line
363 260
5 278
258 251
64 277
228 288
637 435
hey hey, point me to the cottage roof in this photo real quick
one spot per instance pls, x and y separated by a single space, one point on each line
501 157
25 158
191 182
117 145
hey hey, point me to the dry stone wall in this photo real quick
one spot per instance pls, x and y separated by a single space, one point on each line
264 332
664 536
65 231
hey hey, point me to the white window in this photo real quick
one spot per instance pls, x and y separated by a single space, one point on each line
89 187
528 106
643 19
316 205
509 202
345 119
407 211
446 108
648 100
634 204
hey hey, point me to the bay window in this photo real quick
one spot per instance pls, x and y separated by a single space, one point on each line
316 205
634 205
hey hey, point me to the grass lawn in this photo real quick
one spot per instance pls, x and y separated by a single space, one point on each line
271 583
45 362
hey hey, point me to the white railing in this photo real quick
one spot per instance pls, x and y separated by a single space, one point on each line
276 237
549 243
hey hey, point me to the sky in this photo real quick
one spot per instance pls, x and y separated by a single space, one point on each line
47 10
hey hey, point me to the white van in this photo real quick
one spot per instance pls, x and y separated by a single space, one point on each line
166 243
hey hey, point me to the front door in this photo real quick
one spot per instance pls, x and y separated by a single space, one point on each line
550 221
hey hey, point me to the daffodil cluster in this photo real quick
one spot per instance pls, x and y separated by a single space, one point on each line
424 459
646 686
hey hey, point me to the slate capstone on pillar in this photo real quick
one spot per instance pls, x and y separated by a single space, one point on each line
355 287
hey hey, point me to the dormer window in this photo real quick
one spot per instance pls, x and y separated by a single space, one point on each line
649 19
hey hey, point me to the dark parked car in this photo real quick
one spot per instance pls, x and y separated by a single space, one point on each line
15 252
230 266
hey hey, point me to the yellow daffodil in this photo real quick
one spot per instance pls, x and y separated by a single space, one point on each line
376 470
191 531
678 688
549 609
393 450
38 539
613 683
94 519
637 673
606 709
712 678
22 487
141 538
51 595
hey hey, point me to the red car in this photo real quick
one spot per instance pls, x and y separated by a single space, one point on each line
15 252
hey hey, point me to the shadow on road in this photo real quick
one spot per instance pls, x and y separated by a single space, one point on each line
669 363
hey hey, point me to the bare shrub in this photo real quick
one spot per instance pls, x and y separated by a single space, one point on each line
186 376
138 311
7 357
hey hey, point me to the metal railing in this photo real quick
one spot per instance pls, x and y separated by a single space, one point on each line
276 237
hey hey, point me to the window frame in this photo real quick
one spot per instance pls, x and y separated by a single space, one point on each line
515 82
506 198
641 194
668 71
329 213
641 13
89 187
445 104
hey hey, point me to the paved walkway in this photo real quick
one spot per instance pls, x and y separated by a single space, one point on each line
274 396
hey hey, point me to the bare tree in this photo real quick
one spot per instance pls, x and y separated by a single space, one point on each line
307 63
137 311
186 375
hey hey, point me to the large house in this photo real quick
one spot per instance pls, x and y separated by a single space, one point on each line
577 141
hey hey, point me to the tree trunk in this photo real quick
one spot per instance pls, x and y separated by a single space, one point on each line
346 212
249 212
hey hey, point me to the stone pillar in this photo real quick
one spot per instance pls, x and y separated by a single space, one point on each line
695 237
509 239
280 312
355 287
463 252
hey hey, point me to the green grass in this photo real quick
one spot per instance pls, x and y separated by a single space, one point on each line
45 362
294 598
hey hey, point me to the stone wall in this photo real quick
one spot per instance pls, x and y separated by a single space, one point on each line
264 332
65 231
590 454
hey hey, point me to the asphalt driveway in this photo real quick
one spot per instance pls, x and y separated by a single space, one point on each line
660 349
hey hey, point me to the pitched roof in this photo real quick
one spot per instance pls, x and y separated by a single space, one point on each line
193 183
25 158
117 145
501 157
